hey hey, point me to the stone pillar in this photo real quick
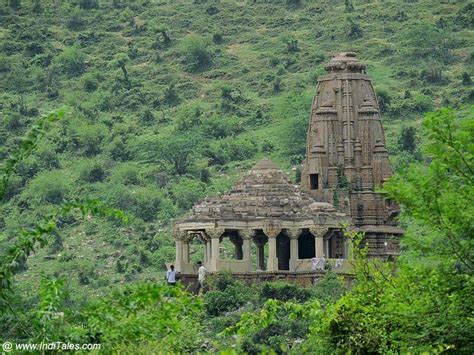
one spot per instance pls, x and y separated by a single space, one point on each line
215 234
238 244
179 255
206 257
319 241
209 252
260 243
272 264
260 257
185 245
246 235
293 234
238 251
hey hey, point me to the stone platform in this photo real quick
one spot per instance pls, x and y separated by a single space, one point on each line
303 278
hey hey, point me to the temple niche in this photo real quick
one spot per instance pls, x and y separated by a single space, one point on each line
274 225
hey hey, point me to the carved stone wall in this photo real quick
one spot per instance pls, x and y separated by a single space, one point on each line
346 157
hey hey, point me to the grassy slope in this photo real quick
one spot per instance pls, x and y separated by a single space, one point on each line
252 56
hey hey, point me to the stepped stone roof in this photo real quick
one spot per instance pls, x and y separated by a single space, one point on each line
266 192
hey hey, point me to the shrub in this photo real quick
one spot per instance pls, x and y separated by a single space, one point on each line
89 137
354 29
178 151
90 82
284 292
195 52
328 289
126 174
224 151
221 127
72 61
153 313
50 187
221 281
89 4
91 171
231 298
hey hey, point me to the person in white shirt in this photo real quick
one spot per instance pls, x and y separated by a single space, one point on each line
202 271
171 276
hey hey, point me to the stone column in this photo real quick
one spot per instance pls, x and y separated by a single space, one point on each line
293 234
185 245
272 264
179 254
246 235
238 247
208 248
206 257
260 243
318 241
180 238
215 242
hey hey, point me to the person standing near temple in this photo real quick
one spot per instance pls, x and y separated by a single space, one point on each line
171 276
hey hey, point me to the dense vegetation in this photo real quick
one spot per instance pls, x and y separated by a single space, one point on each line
167 102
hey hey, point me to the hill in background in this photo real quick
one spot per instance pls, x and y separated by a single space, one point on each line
172 101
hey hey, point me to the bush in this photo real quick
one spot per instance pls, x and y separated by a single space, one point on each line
221 127
145 203
50 187
231 298
284 292
72 61
195 52
153 313
90 82
328 289
224 151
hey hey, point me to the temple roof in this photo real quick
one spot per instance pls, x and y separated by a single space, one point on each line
345 61
266 192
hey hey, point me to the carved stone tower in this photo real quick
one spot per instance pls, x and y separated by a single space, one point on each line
346 157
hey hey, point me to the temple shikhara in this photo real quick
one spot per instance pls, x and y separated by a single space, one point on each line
274 225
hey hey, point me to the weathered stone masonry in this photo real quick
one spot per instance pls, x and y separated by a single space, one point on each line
345 161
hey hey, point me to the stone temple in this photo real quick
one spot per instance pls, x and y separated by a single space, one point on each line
275 226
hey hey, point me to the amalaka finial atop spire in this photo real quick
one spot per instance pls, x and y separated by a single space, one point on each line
345 61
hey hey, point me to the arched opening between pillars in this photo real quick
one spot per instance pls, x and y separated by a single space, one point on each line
231 245
283 251
336 246
306 245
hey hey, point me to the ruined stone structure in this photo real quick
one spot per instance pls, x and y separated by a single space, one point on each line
277 226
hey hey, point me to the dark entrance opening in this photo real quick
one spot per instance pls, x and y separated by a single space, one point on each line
313 181
283 251
336 247
306 247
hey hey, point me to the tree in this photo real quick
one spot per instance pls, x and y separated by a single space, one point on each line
120 61
407 140
177 151
355 30
423 303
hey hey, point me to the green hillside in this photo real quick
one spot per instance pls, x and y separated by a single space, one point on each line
171 101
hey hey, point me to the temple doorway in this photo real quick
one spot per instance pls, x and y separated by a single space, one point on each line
336 248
